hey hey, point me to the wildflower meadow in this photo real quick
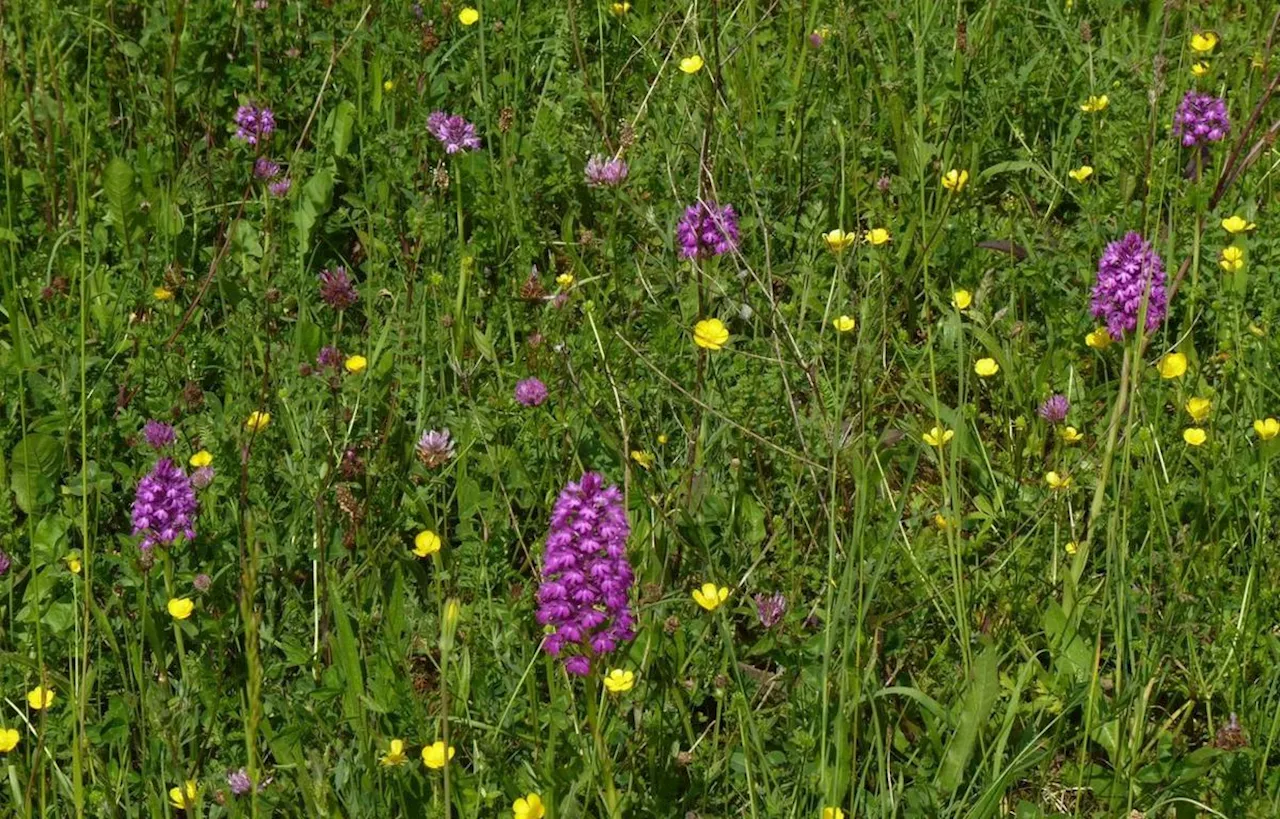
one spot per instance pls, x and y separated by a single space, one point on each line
811 409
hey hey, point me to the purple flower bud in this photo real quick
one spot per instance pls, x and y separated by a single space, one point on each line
531 392
770 609
605 172
454 132
1055 409
158 434
707 230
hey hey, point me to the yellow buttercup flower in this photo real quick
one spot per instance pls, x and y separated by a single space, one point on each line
73 563
426 543
662 438
832 813
530 806
1267 429
838 240
618 681
201 459
876 236
1095 104
955 180
40 698
468 16
1099 339
961 299
185 796
565 280
388 86
1200 69
1194 436
8 740
180 608
395 754
257 421
710 334
1072 547
645 459
938 437
844 324
1071 435
692 65
619 9
986 367
710 596
1081 174
1173 365
1236 224
1203 41
1057 482
435 756
1232 259
941 522
162 294
1198 409
356 364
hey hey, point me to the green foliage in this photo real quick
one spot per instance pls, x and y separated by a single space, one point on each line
959 639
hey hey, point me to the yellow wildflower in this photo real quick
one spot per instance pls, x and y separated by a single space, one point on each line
838 240
162 294
1232 259
645 459
1172 365
395 754
40 698
710 334
691 65
619 9
1094 104
1071 435
961 299
1199 69
1203 41
468 16
180 608
618 681
1267 429
710 596
955 180
257 421
388 86
565 280
938 437
201 459
986 367
435 756
1198 409
73 563
876 236
530 806
1057 482
185 796
8 740
356 364
426 543
1082 173
1236 224
1099 339
1194 436
844 324
832 813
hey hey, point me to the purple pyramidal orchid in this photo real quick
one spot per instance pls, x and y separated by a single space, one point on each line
164 507
585 596
1128 271
706 230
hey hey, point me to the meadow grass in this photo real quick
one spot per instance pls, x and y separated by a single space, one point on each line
875 568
